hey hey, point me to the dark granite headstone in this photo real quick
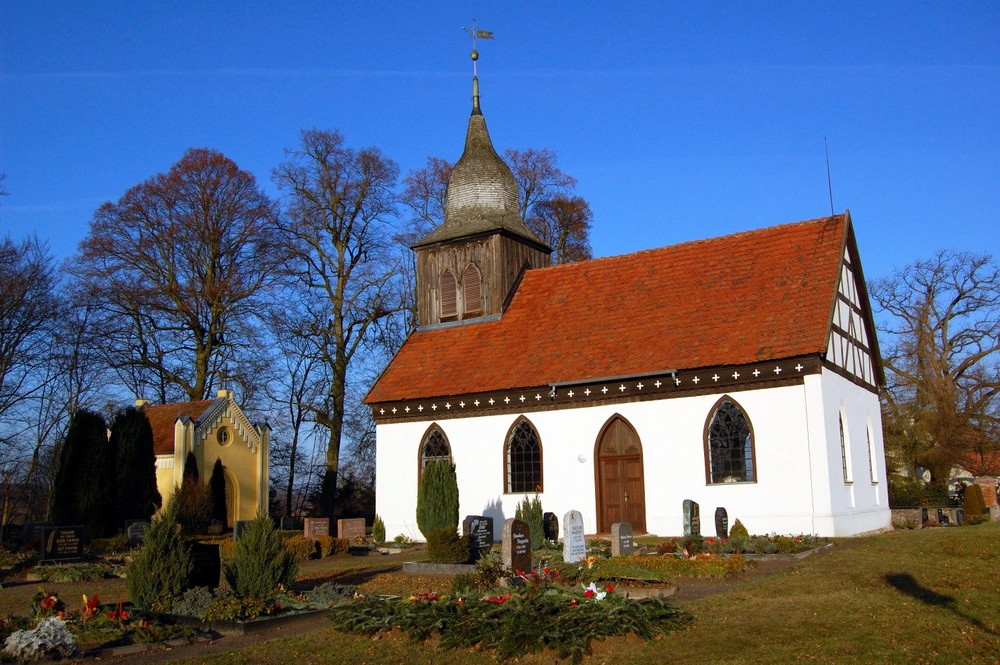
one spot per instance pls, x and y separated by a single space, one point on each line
942 518
31 534
621 539
206 564
289 523
516 545
136 533
550 526
239 526
923 516
351 528
574 544
316 526
479 530
960 515
62 543
721 523
692 518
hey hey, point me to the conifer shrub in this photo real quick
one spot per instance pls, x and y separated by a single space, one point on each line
303 548
159 573
437 498
974 504
530 512
217 487
135 466
378 530
194 506
445 545
260 562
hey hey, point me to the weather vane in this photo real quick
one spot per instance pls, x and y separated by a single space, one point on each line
474 32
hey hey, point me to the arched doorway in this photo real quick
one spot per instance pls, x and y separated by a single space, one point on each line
621 490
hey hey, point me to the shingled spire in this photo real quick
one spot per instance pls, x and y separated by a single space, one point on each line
482 193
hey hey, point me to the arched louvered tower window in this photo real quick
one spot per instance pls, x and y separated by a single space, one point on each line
729 446
472 292
449 296
523 459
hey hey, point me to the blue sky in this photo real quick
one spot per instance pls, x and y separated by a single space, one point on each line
680 120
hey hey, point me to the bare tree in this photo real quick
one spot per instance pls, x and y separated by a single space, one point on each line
424 193
940 347
538 177
563 223
344 265
175 270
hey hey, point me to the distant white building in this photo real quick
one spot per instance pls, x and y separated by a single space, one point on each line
739 372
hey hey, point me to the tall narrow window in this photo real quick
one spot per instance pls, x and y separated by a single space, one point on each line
449 296
845 451
729 443
472 292
523 459
434 447
872 472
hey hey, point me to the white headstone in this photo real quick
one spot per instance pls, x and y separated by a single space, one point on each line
574 544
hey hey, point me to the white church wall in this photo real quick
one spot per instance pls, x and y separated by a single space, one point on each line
799 486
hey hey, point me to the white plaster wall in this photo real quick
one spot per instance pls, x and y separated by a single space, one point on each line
792 494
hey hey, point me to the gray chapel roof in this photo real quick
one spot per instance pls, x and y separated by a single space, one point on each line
482 194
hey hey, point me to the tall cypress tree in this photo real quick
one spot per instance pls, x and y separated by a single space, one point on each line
437 497
84 474
190 468
137 496
217 484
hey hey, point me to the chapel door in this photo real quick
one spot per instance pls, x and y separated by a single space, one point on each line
621 492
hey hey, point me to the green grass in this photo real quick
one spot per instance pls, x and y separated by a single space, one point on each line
927 596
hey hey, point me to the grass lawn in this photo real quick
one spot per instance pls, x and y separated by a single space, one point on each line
906 597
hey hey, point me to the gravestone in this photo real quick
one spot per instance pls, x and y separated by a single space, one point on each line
215 528
960 515
621 539
479 530
316 526
550 527
62 543
289 523
136 532
32 532
239 526
351 528
574 544
516 545
943 519
692 518
923 516
206 564
721 523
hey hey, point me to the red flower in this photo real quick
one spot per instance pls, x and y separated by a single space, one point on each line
589 593
610 588
497 599
573 603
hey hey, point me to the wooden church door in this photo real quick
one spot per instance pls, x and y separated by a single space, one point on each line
621 490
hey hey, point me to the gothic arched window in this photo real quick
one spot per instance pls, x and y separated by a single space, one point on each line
472 292
729 445
523 459
433 448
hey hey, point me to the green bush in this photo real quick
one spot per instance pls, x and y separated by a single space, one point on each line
378 530
445 545
159 573
437 498
112 545
303 548
974 504
739 531
530 512
194 506
232 608
260 562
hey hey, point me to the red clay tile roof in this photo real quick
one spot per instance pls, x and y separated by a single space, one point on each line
764 294
162 418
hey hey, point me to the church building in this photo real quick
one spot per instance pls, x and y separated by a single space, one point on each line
739 372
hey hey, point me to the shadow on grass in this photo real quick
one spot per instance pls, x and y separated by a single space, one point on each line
353 576
907 584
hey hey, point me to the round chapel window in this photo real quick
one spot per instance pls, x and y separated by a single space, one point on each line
223 436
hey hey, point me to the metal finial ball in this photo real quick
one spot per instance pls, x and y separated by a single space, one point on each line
475 55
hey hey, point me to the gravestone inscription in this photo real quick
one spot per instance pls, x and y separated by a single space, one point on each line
692 518
136 532
574 544
516 545
206 564
62 543
479 530
351 528
621 539
316 526
721 522
550 527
